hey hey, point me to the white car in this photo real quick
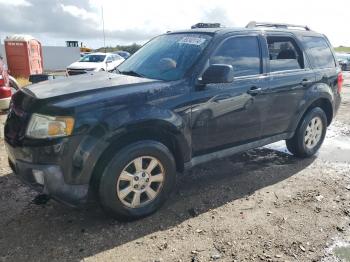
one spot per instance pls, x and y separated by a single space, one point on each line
95 62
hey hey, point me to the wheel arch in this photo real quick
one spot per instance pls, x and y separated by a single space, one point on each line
153 130
324 103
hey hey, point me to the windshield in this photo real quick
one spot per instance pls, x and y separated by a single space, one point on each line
167 57
93 58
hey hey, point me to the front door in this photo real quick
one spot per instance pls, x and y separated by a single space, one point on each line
224 115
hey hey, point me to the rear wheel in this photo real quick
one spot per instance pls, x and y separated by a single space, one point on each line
309 135
138 180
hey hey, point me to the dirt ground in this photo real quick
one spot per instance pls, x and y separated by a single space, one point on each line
262 205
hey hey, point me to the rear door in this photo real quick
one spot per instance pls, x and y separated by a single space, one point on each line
224 115
289 77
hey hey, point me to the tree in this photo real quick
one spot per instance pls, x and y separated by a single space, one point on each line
128 48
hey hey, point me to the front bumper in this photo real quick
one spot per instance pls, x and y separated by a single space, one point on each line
47 179
73 72
5 103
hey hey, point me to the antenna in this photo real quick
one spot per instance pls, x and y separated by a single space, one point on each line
103 28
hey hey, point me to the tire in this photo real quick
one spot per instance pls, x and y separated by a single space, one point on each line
14 86
313 125
112 185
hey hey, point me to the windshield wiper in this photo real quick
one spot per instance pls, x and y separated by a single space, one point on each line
131 73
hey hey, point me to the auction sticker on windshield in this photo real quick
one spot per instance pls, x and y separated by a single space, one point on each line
189 40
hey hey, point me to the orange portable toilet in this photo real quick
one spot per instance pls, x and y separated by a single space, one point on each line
24 55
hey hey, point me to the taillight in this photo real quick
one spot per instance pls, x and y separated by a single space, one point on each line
340 82
2 81
5 92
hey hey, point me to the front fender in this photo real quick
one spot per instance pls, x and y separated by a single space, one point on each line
117 124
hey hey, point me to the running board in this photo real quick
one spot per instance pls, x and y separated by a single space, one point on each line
236 149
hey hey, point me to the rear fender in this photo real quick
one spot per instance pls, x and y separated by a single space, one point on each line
317 92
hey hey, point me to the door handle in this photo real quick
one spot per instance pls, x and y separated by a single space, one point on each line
254 91
305 82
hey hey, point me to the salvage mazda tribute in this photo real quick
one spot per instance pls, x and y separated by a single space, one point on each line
185 98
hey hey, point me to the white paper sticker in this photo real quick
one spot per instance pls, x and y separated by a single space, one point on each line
191 40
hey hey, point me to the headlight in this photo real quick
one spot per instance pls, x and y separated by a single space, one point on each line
41 126
90 69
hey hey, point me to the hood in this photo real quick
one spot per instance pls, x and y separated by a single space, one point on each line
84 65
83 83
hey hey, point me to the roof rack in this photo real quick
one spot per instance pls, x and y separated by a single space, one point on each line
206 25
254 24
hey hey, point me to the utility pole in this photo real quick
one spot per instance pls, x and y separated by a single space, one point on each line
103 28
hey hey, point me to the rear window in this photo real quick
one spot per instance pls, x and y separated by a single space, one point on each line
319 52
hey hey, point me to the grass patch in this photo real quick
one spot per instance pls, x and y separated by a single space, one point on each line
344 49
22 81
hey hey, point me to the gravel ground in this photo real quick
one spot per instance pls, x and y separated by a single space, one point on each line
262 205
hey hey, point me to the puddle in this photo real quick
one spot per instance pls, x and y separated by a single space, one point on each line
279 146
339 251
342 253
335 148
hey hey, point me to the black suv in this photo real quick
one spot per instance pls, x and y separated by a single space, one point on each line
185 98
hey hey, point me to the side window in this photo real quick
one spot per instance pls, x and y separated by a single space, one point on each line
284 54
319 52
242 53
109 59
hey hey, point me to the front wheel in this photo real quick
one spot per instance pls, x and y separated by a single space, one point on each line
138 180
309 135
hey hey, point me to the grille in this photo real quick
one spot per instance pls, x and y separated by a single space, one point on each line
72 72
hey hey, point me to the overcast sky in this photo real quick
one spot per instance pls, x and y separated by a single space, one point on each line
54 21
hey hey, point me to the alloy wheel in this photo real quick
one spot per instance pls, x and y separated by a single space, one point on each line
140 182
313 132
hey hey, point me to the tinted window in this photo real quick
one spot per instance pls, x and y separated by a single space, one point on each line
320 54
240 52
284 54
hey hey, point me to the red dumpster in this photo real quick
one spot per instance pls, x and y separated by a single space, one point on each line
24 56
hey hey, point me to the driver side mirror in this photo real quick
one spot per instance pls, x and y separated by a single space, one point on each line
217 73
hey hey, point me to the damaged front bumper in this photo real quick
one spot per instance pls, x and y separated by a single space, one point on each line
47 179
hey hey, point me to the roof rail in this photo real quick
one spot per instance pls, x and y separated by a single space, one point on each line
254 24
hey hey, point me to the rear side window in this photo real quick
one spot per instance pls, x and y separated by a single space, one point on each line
284 54
242 53
319 52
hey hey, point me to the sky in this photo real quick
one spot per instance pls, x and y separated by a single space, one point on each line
54 21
